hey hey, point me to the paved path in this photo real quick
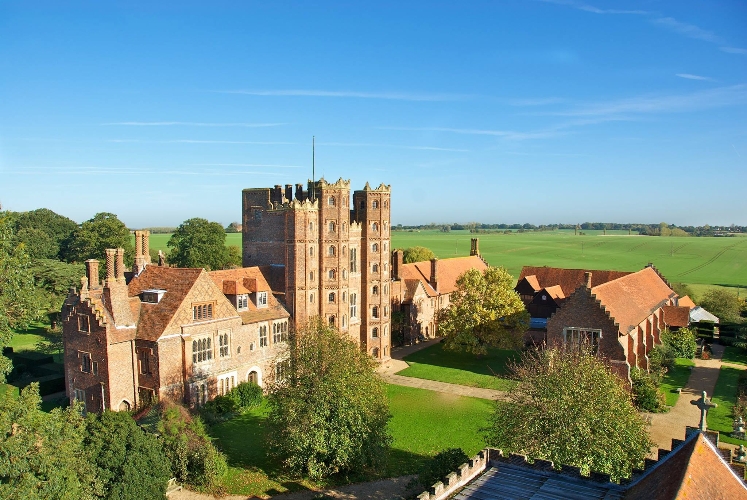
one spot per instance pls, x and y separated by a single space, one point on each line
666 426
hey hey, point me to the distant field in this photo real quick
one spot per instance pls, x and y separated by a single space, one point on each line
705 261
158 241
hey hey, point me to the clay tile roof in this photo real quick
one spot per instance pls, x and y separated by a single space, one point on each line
411 288
556 292
532 280
233 287
686 301
252 280
154 318
695 470
568 279
448 271
633 297
676 315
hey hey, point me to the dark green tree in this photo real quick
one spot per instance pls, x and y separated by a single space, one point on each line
199 243
569 408
93 237
130 463
45 233
18 305
417 254
484 311
328 407
42 454
726 305
680 343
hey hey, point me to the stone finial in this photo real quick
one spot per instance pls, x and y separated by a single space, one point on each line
704 404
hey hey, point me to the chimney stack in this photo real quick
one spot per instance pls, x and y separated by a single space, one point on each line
146 246
475 248
119 268
434 273
92 273
299 192
110 255
138 243
289 192
587 276
397 263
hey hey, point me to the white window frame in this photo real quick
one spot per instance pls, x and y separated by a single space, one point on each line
224 343
226 382
202 349
263 336
261 299
242 302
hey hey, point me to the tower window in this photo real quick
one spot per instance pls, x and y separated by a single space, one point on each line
375 204
331 201
331 251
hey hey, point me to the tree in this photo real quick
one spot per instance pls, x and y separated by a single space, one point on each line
417 254
93 237
42 454
723 303
45 233
569 408
484 311
328 408
130 463
199 243
683 289
680 343
17 301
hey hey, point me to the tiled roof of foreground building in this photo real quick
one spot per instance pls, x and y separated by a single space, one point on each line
447 271
568 279
695 469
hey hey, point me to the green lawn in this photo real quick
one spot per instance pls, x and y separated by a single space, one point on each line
734 355
724 395
434 363
26 340
676 377
708 261
423 423
159 241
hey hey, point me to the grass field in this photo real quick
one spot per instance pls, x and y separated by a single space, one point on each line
675 378
159 241
433 363
724 395
423 423
734 355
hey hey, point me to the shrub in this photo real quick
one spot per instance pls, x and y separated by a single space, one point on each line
661 359
646 394
246 395
218 409
681 342
442 464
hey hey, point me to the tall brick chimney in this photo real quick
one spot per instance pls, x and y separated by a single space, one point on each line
146 246
475 247
434 273
299 192
92 273
288 192
138 243
119 267
587 276
397 263
110 256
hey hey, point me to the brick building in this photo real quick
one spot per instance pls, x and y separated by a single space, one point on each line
329 259
621 318
183 334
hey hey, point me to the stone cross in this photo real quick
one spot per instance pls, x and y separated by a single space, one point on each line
704 404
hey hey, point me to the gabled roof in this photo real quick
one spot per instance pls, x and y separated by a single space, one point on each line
252 280
698 314
556 292
448 271
678 316
154 318
532 281
685 301
633 297
568 279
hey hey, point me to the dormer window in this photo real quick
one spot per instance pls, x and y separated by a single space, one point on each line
261 299
242 302
152 296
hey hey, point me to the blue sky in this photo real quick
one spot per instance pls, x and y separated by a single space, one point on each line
504 111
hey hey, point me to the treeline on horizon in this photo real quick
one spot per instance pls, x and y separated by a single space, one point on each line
660 229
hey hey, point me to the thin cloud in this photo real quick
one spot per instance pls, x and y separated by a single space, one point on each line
688 30
594 10
199 141
690 76
243 165
373 145
132 171
507 134
398 96
194 124
535 102
733 50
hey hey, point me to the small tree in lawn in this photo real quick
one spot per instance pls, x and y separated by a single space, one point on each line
417 254
328 408
484 311
200 243
569 408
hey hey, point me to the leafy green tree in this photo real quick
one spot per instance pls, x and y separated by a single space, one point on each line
683 289
199 243
417 254
646 393
441 465
42 454
484 311
93 237
328 408
681 343
130 463
723 303
18 304
45 233
569 408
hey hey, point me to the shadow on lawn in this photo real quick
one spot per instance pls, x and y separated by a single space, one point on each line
494 363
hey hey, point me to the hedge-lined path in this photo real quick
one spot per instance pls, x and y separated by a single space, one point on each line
671 425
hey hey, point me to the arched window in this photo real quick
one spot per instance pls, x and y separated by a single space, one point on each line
311 226
331 201
344 227
375 268
344 274
344 250
353 305
375 333
344 296
375 204
331 251
386 311
331 274
386 204
344 320
331 321
375 290
332 296
311 298
386 289
375 352
311 251
375 226
375 247
385 350
311 276
385 246
386 330
386 226
375 312
331 226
